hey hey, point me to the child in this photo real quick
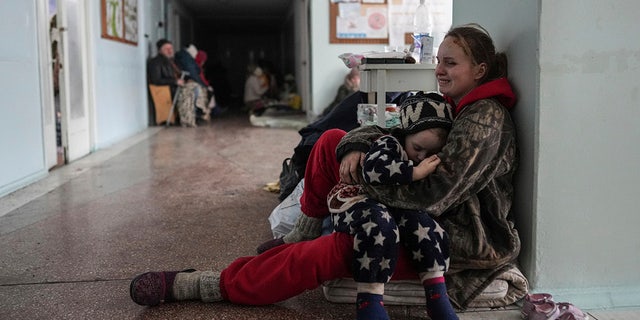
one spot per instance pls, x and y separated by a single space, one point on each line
404 155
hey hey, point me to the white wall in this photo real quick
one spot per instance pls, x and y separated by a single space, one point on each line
574 65
118 94
515 33
327 70
120 82
21 136
588 242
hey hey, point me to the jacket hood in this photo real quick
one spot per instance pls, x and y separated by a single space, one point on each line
498 89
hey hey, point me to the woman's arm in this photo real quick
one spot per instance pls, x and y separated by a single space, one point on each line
351 150
480 146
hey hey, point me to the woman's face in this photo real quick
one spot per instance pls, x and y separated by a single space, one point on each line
423 144
456 72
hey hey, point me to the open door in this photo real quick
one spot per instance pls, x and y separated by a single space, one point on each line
45 16
74 106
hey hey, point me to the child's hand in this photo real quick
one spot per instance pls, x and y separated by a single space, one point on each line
425 167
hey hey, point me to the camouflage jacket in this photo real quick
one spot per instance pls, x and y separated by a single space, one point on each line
469 194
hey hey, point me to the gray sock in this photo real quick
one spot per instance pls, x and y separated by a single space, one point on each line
306 228
198 285
210 286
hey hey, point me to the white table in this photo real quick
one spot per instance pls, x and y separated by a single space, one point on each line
378 79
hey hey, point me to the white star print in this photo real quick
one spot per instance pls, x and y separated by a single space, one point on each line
422 233
417 255
366 213
365 261
336 221
436 267
438 247
356 244
394 168
386 216
374 155
379 239
403 222
374 176
367 227
397 232
348 217
385 264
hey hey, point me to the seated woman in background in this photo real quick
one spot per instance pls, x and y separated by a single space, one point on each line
193 100
255 87
350 85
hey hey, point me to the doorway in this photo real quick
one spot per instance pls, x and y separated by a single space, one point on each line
68 78
56 64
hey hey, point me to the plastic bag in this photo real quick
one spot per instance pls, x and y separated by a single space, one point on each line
284 216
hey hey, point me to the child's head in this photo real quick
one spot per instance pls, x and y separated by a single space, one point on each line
425 121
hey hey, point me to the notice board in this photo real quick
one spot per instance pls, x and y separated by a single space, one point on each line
383 21
361 21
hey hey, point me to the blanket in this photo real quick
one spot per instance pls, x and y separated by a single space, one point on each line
505 289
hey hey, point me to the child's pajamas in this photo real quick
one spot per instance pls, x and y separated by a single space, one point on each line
377 229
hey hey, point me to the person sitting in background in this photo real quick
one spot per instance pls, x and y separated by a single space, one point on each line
193 101
350 85
161 69
201 59
186 60
255 87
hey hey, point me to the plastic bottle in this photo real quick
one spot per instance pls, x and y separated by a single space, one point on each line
423 34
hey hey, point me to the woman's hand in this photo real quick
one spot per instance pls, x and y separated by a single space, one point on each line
425 167
351 166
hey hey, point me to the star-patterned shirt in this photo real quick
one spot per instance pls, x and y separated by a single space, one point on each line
387 163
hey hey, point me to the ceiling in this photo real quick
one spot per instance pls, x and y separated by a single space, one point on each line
237 13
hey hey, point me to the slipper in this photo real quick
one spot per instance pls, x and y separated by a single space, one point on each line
530 300
570 312
544 311
153 288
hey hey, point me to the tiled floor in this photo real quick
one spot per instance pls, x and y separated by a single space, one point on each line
164 199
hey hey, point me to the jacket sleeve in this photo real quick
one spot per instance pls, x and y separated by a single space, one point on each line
155 74
471 158
358 139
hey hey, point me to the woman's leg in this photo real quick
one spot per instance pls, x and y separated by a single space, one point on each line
321 175
287 270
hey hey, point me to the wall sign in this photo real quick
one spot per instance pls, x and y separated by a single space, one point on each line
358 21
119 20
383 21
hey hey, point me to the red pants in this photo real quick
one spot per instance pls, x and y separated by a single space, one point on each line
288 270
321 175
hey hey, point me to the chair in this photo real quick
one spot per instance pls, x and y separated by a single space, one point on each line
161 96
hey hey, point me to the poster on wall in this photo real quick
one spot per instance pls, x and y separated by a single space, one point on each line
359 21
119 20
383 21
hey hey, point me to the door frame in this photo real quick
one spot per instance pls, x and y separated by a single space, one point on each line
50 148
77 133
